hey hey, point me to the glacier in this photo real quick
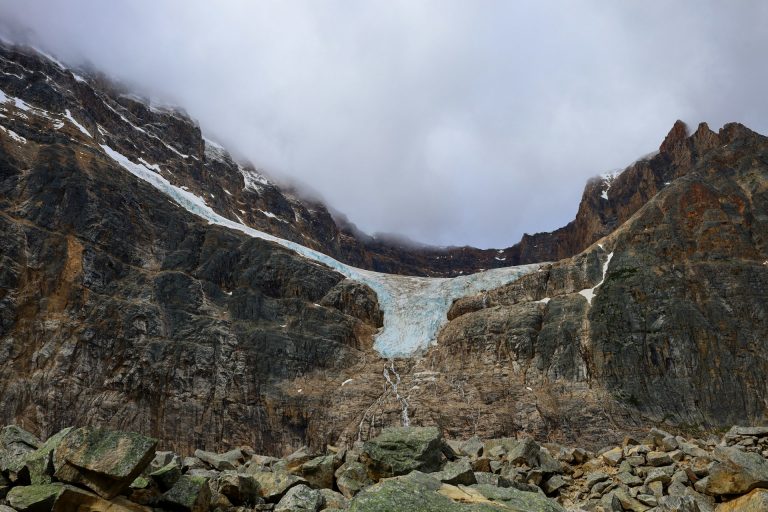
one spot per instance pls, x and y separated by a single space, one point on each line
415 308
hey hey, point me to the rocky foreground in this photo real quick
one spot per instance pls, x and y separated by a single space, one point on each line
402 469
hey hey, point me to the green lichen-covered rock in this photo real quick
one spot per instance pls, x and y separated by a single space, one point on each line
351 478
238 488
515 499
34 498
273 485
400 450
190 494
15 444
106 462
301 499
318 471
167 476
415 492
39 464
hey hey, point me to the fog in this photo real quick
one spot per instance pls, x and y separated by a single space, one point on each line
447 122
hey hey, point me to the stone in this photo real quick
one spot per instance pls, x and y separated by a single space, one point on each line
300 498
668 444
167 476
492 479
519 500
656 488
472 447
76 499
628 503
613 457
107 462
629 479
658 459
662 474
755 501
318 472
15 444
553 484
735 472
678 504
748 431
547 463
273 485
596 477
190 494
239 488
39 464
334 500
692 450
34 498
457 472
400 450
351 478
220 462
635 460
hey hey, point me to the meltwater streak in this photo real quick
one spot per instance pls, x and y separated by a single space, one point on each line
414 307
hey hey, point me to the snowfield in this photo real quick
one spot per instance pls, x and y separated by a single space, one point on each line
415 308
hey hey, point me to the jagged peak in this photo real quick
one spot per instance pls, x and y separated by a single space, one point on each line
678 134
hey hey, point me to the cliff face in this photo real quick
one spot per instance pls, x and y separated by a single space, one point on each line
677 331
119 308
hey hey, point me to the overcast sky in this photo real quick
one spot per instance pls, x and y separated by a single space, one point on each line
450 122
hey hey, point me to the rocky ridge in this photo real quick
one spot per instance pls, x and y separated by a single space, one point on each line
172 144
412 469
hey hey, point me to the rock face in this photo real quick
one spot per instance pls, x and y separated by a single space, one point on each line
669 309
147 319
120 309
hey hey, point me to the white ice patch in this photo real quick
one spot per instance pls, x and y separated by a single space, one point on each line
80 127
215 151
545 300
500 259
415 308
346 382
253 180
608 178
15 136
589 293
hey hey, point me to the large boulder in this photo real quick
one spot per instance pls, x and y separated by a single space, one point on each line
351 478
104 461
318 471
400 450
190 494
735 472
39 464
15 444
300 498
422 492
221 461
274 484
34 498
755 501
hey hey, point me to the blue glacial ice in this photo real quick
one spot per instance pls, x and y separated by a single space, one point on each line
415 308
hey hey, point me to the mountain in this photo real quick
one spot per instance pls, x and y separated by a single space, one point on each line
142 288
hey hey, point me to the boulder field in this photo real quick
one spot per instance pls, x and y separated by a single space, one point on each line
402 469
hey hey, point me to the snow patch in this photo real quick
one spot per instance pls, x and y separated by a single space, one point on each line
80 127
15 136
545 300
589 293
253 180
608 178
346 382
500 259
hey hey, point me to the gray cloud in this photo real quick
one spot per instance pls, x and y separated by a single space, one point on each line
450 122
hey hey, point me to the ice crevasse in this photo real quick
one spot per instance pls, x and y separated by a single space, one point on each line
415 308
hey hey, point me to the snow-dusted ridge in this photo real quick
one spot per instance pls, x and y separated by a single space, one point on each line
415 308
